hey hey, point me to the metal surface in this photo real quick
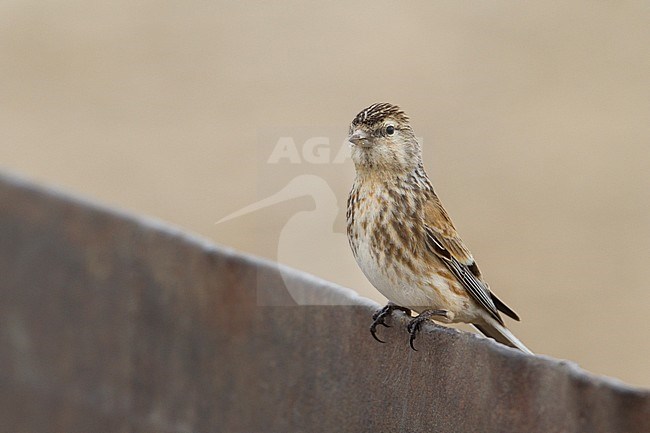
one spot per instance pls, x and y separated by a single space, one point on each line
110 323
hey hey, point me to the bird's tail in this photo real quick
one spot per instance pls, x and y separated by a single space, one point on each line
502 334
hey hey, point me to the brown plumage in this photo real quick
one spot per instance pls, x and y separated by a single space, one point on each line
402 237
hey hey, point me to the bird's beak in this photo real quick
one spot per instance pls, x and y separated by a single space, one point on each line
358 138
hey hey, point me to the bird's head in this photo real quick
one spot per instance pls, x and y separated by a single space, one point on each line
382 139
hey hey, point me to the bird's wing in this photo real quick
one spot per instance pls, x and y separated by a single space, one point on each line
443 240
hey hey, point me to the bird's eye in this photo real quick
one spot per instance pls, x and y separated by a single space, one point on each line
390 130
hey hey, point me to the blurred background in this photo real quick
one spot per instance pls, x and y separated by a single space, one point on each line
534 120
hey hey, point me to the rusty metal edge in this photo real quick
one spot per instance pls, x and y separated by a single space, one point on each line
346 296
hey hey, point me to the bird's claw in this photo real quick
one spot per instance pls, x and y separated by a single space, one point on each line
415 324
413 328
379 318
378 313
373 331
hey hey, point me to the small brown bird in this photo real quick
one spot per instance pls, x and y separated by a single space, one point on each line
403 239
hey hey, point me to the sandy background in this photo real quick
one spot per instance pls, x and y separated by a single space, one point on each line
534 119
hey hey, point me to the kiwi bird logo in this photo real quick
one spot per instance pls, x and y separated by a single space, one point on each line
294 244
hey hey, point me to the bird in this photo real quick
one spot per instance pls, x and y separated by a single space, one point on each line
403 239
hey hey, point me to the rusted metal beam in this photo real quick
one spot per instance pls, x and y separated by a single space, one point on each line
112 323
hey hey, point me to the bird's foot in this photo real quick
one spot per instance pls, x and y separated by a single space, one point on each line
416 323
380 316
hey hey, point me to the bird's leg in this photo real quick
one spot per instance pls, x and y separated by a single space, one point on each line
416 323
380 315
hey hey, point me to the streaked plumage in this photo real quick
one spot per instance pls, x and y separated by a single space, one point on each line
402 237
